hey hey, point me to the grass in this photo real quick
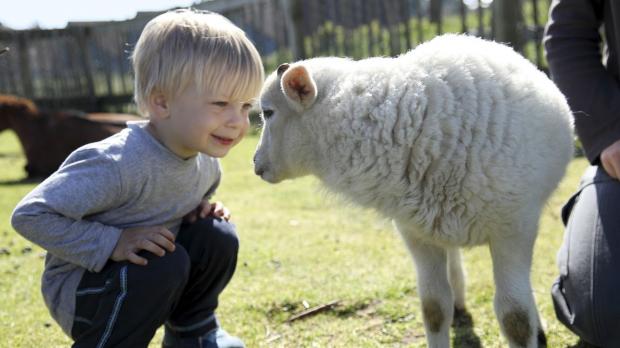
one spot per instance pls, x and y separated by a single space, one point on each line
299 247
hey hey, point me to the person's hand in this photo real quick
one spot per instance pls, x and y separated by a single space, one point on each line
205 208
156 239
610 159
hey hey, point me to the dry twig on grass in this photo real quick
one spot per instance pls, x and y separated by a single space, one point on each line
312 311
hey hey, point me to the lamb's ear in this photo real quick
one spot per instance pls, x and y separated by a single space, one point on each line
282 68
299 87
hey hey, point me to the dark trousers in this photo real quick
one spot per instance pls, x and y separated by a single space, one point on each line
586 295
125 304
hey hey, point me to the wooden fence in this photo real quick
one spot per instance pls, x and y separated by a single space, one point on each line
86 65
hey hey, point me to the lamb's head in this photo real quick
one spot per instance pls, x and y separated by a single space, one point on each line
285 148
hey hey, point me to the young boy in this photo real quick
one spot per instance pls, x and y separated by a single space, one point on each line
133 241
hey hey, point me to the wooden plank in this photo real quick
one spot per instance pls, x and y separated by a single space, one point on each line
508 19
463 14
56 59
330 9
123 62
436 14
102 39
11 73
392 10
24 64
292 22
5 71
347 17
406 19
418 10
481 20
82 38
537 35
42 61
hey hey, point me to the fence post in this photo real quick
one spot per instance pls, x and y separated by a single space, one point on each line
24 64
293 22
82 36
436 14
508 21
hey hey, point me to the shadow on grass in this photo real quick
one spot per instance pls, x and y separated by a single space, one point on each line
10 155
356 309
582 344
463 327
23 181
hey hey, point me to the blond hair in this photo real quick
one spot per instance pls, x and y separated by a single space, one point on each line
181 47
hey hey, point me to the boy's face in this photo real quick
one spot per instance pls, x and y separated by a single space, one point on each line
199 122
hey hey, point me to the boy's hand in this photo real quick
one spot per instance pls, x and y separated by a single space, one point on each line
205 209
154 239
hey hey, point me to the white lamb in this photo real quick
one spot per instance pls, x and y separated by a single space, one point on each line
460 142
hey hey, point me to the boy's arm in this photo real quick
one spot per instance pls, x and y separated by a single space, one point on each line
55 214
206 208
217 169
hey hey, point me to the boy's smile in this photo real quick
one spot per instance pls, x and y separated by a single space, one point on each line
224 141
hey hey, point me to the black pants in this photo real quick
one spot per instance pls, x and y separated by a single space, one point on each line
586 295
125 304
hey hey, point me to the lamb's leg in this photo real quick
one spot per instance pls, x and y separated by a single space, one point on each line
456 277
514 302
434 290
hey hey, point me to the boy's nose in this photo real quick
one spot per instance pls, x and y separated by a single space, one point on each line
236 118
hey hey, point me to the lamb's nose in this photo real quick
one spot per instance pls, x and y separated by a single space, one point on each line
259 170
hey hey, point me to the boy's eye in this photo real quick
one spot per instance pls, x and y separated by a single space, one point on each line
247 106
267 113
220 103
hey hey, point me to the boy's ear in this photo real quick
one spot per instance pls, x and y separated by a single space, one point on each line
298 87
158 105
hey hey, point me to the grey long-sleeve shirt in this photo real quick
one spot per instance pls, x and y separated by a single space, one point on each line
77 214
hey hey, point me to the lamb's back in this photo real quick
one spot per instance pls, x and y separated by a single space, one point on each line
455 135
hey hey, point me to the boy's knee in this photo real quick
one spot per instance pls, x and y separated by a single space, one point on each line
171 270
219 236
225 237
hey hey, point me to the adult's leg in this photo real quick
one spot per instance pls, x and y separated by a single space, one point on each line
212 245
586 294
124 304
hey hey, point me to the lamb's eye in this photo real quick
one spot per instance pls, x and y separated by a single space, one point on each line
267 113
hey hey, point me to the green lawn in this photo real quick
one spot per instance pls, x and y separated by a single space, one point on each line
300 246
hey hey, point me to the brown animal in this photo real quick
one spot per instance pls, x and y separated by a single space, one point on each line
47 138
